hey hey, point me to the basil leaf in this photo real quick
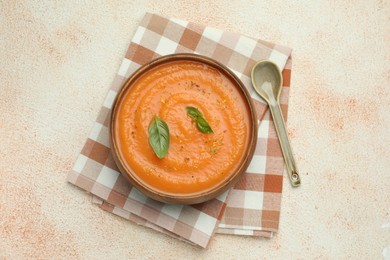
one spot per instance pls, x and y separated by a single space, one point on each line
193 112
159 136
203 126
201 123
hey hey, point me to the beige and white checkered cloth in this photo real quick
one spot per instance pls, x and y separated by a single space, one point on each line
252 207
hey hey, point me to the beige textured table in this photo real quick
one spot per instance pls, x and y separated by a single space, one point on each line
59 58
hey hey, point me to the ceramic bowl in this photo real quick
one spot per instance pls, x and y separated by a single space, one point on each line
203 195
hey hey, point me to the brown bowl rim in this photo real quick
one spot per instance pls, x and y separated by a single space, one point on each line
193 198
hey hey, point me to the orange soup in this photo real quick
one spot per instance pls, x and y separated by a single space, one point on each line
195 161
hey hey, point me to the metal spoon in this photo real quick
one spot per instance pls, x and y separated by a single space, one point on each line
267 81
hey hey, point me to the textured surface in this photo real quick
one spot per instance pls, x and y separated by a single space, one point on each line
60 58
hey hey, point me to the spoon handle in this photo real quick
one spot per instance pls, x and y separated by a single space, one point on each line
285 144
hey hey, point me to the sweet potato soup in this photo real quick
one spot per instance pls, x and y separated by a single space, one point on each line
195 161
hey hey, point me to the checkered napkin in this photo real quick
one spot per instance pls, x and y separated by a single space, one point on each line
252 207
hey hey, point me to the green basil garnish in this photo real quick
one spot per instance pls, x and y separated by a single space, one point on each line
193 112
201 123
203 126
159 136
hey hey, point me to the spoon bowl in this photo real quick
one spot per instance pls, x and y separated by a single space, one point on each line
267 81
